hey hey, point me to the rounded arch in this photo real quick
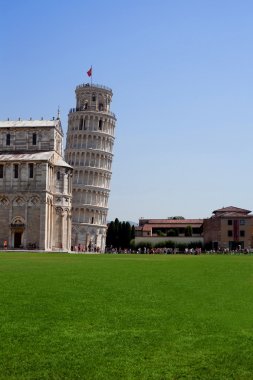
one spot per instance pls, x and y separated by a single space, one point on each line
17 221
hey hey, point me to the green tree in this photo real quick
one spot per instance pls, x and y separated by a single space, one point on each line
188 231
110 234
116 233
128 234
119 234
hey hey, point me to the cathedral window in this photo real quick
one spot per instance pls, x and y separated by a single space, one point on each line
34 138
80 124
100 125
8 139
1 171
15 170
31 170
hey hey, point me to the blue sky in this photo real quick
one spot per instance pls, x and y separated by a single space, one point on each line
182 76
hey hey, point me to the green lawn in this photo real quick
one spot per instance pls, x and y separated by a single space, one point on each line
125 316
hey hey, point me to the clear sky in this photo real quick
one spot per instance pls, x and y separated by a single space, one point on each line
181 72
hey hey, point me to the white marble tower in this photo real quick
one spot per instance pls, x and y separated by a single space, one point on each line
89 145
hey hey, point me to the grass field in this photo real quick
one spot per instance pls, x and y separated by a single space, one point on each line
125 316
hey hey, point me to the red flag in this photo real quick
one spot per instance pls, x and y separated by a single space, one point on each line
89 72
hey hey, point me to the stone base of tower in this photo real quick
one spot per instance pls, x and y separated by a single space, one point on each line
88 237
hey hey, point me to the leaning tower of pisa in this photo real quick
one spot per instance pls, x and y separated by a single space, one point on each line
89 145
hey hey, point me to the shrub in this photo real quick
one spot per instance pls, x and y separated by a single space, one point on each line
172 232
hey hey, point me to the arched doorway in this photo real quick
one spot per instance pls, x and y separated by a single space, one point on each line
18 239
17 232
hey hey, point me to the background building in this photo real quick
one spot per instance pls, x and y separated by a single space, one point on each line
35 186
229 228
90 140
176 229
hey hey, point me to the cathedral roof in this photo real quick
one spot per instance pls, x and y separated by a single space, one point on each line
29 123
38 156
60 162
55 123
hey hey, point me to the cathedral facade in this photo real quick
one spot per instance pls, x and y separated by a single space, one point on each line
35 186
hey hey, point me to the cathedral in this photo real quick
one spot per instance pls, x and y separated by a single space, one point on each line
35 186
39 209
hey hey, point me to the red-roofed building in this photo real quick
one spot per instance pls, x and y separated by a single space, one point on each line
229 228
175 229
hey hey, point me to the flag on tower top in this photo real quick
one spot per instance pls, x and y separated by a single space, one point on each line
89 72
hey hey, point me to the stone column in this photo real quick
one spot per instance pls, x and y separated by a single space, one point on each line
43 224
63 230
26 224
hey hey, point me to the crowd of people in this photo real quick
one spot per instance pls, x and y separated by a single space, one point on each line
160 250
82 248
186 251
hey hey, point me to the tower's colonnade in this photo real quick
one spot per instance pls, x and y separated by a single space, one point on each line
89 147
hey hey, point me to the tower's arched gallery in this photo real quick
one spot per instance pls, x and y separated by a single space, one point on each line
38 207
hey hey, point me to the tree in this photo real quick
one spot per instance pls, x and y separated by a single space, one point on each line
116 237
188 231
119 234
128 234
110 234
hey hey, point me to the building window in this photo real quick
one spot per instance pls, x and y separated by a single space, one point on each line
242 222
101 107
80 124
100 125
15 170
34 138
93 97
58 175
230 222
8 139
242 233
31 167
1 171
230 233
